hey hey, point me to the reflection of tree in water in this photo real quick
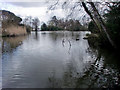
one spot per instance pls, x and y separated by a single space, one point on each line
11 43
66 81
68 37
36 35
54 82
69 77
54 35
102 73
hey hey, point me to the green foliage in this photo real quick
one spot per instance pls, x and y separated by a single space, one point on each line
44 27
61 24
113 22
77 29
53 28
92 28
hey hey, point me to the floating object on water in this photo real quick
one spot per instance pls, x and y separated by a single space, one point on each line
85 37
44 33
77 39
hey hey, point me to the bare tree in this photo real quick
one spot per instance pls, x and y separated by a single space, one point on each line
93 13
101 23
28 21
36 23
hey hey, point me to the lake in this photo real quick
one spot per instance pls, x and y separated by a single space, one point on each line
57 59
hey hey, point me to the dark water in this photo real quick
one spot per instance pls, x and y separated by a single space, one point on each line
56 59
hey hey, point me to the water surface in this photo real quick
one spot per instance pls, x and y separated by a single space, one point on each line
56 59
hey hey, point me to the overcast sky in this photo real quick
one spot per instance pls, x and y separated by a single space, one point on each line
38 8
34 9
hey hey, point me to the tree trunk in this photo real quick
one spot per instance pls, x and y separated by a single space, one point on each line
89 13
98 21
101 22
36 28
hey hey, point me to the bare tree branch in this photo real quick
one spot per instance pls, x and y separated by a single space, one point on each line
52 7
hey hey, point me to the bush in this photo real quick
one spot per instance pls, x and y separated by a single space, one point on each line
92 27
113 23
44 27
28 28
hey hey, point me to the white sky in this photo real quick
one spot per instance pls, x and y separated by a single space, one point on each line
38 8
34 9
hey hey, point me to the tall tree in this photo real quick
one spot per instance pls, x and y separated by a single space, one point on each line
101 23
36 23
94 15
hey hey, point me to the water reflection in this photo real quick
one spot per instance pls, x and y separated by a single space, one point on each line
57 60
11 43
102 73
0 62
36 36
